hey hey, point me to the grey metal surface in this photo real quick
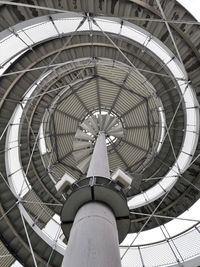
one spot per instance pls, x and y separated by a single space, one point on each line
6 258
93 239
99 165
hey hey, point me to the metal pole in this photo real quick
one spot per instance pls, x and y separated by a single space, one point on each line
93 240
99 165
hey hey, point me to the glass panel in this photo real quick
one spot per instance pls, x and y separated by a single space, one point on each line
9 47
154 192
133 34
25 38
161 53
136 201
41 32
107 26
67 25
42 143
175 69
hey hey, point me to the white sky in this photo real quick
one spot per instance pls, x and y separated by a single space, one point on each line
194 8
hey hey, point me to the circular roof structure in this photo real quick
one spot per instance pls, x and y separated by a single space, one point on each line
72 68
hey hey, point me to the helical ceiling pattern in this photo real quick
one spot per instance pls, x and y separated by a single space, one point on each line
59 81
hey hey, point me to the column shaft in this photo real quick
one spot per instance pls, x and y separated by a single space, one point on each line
93 238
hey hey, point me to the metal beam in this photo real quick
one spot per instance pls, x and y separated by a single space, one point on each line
122 86
134 145
133 108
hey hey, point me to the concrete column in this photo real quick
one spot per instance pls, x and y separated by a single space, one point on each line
93 238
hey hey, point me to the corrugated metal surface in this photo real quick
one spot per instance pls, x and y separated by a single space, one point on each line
6 258
41 213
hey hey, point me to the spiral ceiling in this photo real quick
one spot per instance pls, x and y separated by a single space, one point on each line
69 69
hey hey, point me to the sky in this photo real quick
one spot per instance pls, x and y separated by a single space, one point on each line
194 8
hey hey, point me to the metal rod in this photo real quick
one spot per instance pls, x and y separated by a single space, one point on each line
141 229
165 217
172 240
142 260
179 175
29 242
177 108
169 30
1 218
166 238
54 246
189 22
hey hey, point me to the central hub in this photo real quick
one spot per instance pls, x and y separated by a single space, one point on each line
103 121
99 190
88 131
